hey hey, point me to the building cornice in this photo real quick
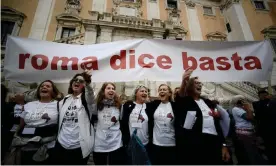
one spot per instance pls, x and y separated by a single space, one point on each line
269 32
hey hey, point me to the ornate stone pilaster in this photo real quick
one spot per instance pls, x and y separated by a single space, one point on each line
157 23
157 35
106 34
94 14
73 7
227 3
90 34
190 3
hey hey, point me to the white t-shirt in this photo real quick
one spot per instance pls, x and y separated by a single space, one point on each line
108 134
241 123
140 124
69 132
208 121
17 110
33 112
163 130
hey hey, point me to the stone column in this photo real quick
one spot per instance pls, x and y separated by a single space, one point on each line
106 34
42 19
59 31
90 34
194 25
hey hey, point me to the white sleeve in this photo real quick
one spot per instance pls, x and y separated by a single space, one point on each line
26 108
239 112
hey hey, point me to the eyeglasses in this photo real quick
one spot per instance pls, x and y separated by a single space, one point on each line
78 80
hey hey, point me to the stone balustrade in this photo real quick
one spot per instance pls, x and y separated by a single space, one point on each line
131 21
247 87
76 39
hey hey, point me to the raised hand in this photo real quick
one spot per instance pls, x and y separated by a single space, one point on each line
188 72
87 76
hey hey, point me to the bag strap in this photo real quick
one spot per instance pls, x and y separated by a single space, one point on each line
58 110
84 103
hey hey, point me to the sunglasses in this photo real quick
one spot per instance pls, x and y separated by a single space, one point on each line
78 80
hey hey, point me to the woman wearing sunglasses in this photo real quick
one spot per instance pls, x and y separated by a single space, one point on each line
76 133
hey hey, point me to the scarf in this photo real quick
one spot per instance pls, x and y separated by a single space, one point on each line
108 102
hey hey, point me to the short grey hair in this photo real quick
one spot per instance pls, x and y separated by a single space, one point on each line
136 90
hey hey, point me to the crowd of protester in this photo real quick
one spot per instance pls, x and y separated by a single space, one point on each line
180 127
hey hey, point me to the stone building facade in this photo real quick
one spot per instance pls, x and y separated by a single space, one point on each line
86 22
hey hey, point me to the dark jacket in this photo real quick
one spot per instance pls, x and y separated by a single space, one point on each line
127 109
151 108
191 143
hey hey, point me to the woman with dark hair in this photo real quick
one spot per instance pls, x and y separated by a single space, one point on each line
76 134
199 139
108 140
162 113
39 118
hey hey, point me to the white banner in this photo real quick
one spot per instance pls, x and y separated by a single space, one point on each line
29 60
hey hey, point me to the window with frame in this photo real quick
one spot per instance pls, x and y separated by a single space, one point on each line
259 5
208 10
172 4
67 32
6 29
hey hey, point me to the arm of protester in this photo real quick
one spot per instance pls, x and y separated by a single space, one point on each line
185 79
21 123
89 92
249 112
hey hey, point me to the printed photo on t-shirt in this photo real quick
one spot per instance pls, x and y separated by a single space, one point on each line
17 111
71 116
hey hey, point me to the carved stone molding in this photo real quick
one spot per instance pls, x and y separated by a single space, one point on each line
73 6
134 5
216 36
190 3
227 3
76 39
269 32
10 14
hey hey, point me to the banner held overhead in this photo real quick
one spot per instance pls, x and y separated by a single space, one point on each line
30 60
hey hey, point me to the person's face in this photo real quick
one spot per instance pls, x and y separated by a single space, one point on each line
109 91
164 93
142 95
197 86
263 96
46 89
19 98
78 84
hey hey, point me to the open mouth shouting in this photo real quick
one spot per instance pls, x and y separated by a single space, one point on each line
111 94
144 96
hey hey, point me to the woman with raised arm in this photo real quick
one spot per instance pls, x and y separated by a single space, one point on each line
199 139
76 133
108 141
39 119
